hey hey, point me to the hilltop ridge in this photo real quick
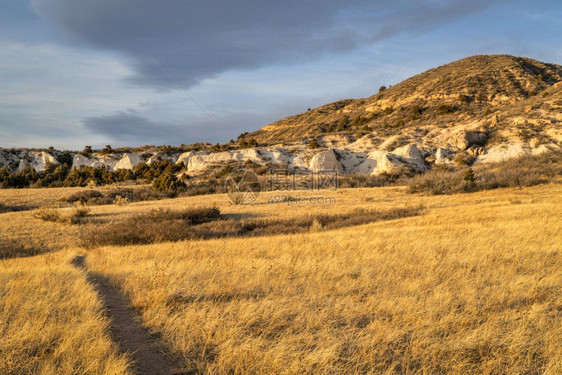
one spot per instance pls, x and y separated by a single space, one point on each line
455 93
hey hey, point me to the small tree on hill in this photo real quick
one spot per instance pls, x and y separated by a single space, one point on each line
106 150
87 151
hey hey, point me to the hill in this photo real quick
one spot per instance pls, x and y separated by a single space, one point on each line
457 93
481 109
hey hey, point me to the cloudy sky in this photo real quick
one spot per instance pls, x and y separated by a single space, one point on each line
135 72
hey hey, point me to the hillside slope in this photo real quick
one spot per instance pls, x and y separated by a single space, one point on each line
456 93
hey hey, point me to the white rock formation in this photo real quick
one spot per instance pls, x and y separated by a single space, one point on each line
128 161
325 161
108 161
81 161
411 155
503 152
22 165
201 162
153 159
276 156
506 151
39 160
36 159
95 161
184 158
350 160
462 139
298 161
335 140
380 161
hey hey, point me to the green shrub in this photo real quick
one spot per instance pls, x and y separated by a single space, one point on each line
87 151
66 159
138 194
106 150
168 183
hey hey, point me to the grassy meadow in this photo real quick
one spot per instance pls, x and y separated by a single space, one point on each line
471 284
51 320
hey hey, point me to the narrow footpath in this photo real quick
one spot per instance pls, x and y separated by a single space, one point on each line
147 352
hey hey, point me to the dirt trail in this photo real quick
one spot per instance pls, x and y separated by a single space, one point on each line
148 354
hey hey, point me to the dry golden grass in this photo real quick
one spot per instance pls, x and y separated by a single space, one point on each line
38 197
473 286
51 320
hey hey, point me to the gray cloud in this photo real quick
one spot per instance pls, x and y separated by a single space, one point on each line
133 128
198 39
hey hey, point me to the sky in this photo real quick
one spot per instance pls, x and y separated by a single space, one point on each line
171 72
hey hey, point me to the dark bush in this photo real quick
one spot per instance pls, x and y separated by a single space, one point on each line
14 248
439 182
155 226
106 150
87 151
18 180
313 144
94 197
243 143
83 196
156 169
361 181
464 159
524 171
141 194
443 109
66 159
201 188
168 183
165 225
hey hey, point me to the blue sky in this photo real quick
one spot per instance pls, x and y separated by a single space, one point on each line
117 71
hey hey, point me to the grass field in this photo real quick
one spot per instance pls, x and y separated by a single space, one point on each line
51 321
472 285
